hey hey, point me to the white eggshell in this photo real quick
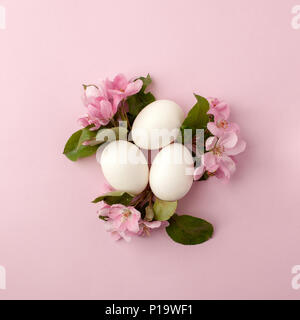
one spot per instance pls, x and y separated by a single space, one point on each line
157 125
171 174
125 167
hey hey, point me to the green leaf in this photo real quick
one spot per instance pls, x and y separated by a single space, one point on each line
141 99
115 197
146 82
74 148
164 210
197 118
189 230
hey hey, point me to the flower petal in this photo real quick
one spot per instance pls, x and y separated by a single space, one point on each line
228 140
83 121
92 91
115 213
120 82
233 127
125 235
152 224
238 148
117 98
93 112
103 209
210 162
106 110
223 110
133 87
133 223
219 174
219 109
228 163
198 173
115 235
211 126
210 143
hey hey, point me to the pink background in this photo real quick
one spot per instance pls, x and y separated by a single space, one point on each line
51 242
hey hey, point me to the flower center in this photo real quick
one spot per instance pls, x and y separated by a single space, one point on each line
126 213
218 150
222 124
214 102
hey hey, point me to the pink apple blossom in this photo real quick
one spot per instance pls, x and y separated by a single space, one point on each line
103 209
218 160
99 109
147 226
121 221
219 127
221 111
120 88
91 95
98 114
102 101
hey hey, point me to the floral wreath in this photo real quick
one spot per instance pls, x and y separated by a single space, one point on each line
138 198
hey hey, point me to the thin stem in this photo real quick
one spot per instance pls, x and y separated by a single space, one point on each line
150 199
113 121
125 114
120 114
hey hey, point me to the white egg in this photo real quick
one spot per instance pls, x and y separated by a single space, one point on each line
124 166
157 125
171 174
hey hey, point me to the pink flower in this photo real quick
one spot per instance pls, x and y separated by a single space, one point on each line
120 88
219 109
99 109
218 128
103 209
102 101
121 221
218 159
147 226
91 95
